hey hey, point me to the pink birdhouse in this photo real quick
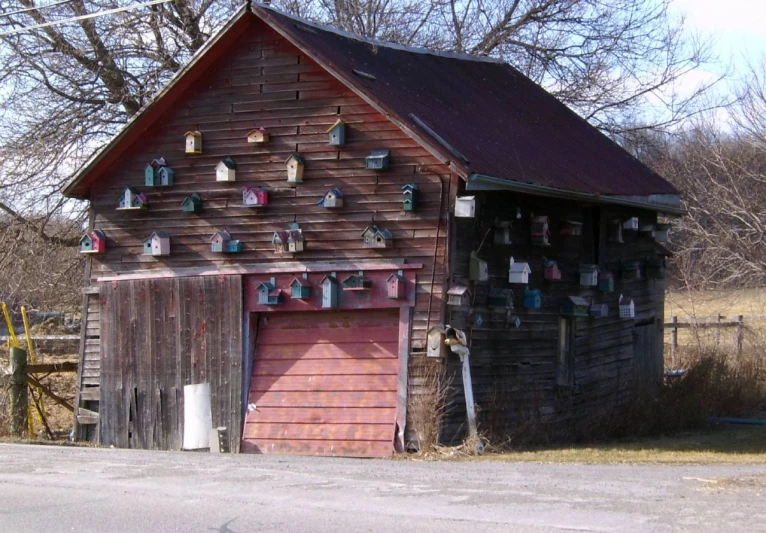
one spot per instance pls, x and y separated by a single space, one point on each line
552 272
254 197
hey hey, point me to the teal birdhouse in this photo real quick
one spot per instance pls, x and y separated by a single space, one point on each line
165 176
410 193
234 246
356 282
337 134
192 203
533 298
300 288
606 282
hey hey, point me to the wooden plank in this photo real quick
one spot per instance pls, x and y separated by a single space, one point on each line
323 399
317 431
321 415
324 349
319 447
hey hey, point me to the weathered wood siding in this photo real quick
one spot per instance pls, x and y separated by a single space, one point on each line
156 337
514 370
265 81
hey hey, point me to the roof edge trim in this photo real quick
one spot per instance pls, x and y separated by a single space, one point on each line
478 182
376 42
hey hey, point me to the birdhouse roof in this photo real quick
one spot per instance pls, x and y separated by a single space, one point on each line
225 235
532 292
409 187
458 290
578 301
279 237
550 263
337 123
625 300
257 130
520 267
159 235
228 162
378 154
297 157
194 133
86 238
265 285
303 282
159 162
395 276
329 278
377 231
97 234
336 192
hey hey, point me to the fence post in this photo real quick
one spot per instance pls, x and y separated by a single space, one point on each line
17 396
674 340
740 332
718 330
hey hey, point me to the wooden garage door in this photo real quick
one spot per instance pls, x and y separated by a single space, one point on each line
324 383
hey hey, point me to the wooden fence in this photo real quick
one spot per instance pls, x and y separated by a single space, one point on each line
716 323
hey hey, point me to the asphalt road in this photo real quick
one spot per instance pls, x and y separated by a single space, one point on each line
51 489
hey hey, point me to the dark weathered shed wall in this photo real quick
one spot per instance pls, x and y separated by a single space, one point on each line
514 370
156 337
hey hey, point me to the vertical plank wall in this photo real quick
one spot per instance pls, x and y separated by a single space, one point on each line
264 81
514 370
156 337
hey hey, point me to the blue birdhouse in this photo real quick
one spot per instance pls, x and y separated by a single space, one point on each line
533 298
192 203
377 160
337 134
300 288
410 193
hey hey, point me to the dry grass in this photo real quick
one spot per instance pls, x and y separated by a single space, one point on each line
427 406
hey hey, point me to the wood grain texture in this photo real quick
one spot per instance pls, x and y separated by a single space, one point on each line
334 398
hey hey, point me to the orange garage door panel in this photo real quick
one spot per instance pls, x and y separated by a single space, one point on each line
324 383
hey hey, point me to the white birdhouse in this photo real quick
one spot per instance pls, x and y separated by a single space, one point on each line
631 224
627 307
329 291
435 346
295 164
226 170
158 243
519 272
193 142
465 206
588 275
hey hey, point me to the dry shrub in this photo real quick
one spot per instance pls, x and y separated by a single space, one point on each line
427 406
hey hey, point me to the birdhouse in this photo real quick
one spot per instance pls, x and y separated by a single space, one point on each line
588 275
615 231
377 160
356 282
410 194
533 298
375 237
158 243
518 272
153 177
655 269
336 135
571 228
93 243
300 288
193 142
234 246
192 203
465 206
268 293
575 306
295 164
551 270
131 199
540 231
458 295
631 270
647 229
631 224
279 240
599 310
498 297
329 292
226 170
435 346
219 240
502 232
662 233
332 199
258 136
606 282
294 238
477 269
254 196
395 285
627 307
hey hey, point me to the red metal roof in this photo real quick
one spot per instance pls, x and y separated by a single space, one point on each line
491 119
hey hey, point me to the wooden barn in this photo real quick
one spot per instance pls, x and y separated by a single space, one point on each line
314 347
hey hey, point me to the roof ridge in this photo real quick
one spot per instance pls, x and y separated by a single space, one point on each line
377 42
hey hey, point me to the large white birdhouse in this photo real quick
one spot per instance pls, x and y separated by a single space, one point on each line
193 142
518 272
158 243
329 291
435 346
226 170
295 164
465 206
